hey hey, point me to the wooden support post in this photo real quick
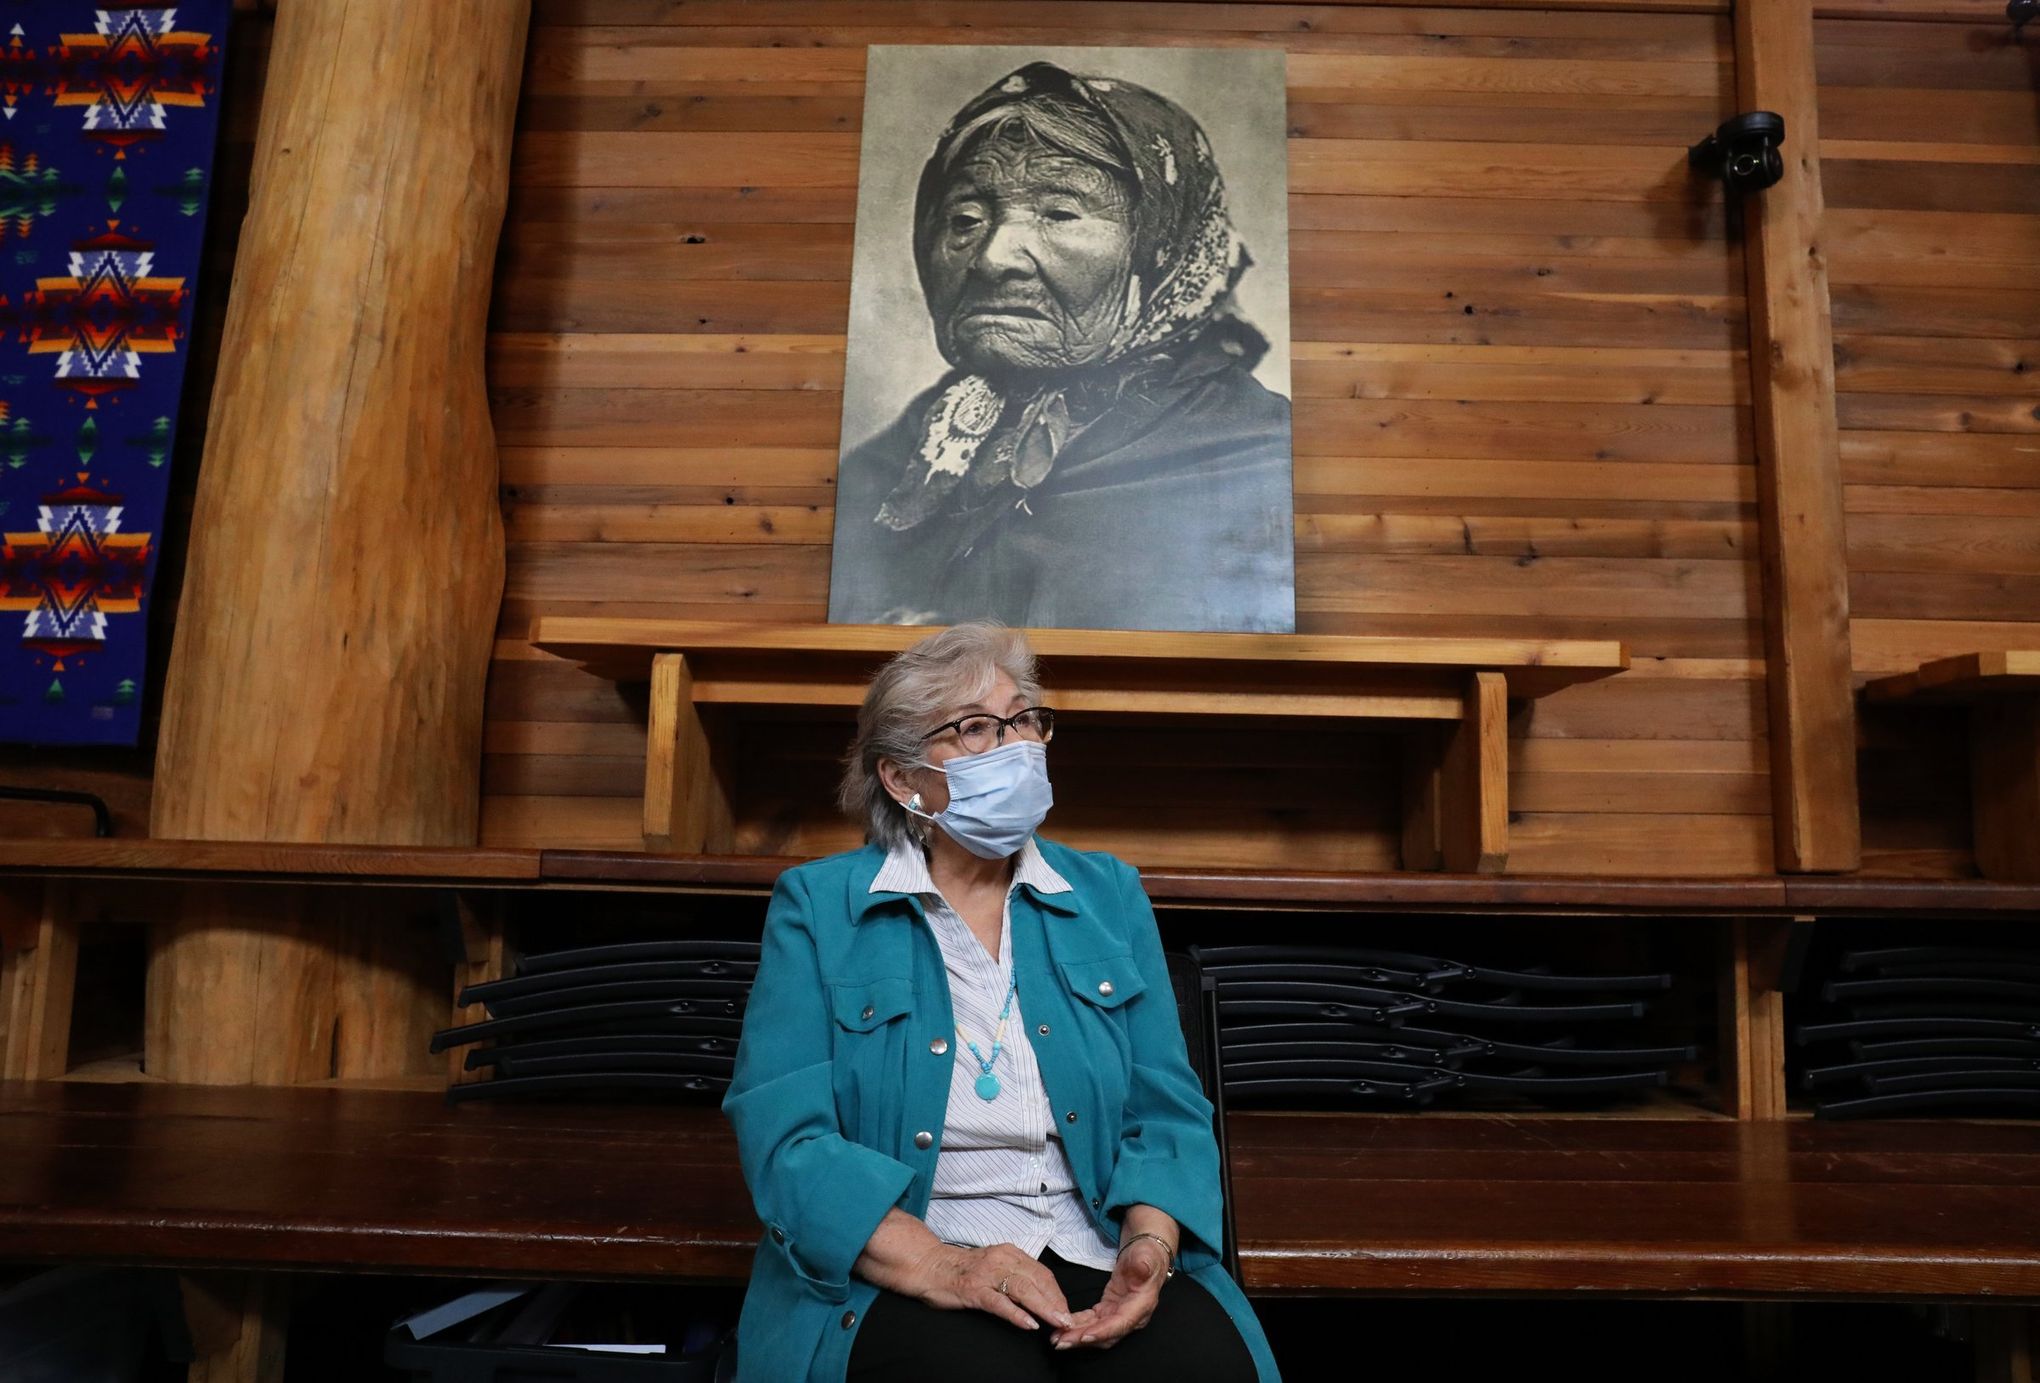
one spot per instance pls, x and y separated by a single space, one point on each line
1473 813
485 955
1767 1340
1752 1016
687 775
325 682
2006 1340
239 989
236 1322
346 564
2004 781
38 977
389 982
283 984
1815 819
1422 750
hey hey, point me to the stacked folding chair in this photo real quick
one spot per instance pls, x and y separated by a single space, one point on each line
1926 1029
1348 1025
656 1018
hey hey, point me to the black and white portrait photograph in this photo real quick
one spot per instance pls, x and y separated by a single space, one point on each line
1066 394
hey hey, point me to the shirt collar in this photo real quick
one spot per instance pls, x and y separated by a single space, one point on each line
906 871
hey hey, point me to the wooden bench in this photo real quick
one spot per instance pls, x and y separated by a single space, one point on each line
1763 1209
375 1181
2002 692
1451 696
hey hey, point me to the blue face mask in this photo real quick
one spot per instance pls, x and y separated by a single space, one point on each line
996 799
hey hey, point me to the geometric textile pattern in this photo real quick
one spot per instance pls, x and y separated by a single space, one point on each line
109 117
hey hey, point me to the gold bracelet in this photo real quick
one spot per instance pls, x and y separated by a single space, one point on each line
1167 1249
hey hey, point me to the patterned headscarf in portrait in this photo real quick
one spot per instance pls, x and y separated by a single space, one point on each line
1185 260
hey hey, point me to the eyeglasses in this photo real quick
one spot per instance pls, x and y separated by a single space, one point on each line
981 732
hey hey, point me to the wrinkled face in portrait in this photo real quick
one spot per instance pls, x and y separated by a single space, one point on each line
1030 258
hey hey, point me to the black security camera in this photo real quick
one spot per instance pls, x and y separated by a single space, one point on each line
1743 150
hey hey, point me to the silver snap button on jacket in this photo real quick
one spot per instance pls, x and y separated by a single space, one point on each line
868 1011
1105 988
923 1139
1043 1029
849 1319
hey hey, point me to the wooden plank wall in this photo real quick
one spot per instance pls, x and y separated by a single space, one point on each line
1568 458
1930 164
1521 405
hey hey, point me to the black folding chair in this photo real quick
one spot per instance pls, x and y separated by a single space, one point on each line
1197 1010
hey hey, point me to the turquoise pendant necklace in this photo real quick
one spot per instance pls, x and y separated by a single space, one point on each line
987 1083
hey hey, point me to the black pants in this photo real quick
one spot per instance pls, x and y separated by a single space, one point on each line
1189 1338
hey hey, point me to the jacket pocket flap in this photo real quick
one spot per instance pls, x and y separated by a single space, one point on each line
1107 982
864 1004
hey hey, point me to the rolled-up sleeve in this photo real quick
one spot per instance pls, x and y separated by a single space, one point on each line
819 1195
1168 1153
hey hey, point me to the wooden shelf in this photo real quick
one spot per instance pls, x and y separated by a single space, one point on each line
1636 1207
631 871
368 1180
1963 678
360 864
1449 697
830 662
2001 689
1326 1203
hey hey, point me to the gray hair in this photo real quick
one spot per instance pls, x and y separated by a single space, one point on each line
907 698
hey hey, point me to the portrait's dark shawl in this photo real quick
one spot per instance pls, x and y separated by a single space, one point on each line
1171 510
1147 490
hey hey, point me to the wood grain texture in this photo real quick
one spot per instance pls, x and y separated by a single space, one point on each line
1324 1202
628 649
1634 1206
2004 776
238 1324
142 864
485 954
163 858
1522 401
1473 781
1806 607
1750 1022
1932 207
331 690
687 766
152 1173
38 979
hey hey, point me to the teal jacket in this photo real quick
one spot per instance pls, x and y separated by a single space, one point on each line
834 1079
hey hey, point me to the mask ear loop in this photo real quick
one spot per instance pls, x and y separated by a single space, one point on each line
925 822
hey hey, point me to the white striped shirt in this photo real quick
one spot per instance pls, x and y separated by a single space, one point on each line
1001 1175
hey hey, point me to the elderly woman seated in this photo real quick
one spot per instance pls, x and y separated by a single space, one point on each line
1101 431
962 1098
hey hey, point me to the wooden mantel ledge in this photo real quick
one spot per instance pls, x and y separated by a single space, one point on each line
634 871
1964 678
223 859
1448 700
622 651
